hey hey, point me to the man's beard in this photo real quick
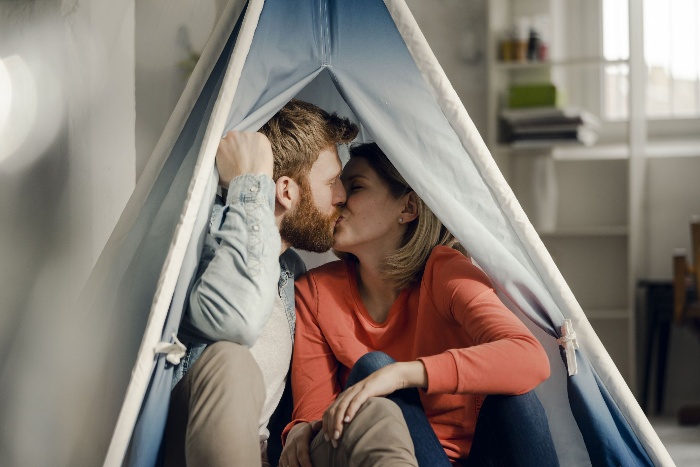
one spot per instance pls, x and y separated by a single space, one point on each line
305 227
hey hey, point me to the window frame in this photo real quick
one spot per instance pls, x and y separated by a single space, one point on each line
615 130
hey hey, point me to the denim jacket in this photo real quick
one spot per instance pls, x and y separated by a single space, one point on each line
233 293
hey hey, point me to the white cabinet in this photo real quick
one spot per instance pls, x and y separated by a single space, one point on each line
584 201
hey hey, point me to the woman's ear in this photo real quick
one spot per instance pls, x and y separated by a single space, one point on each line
410 207
286 192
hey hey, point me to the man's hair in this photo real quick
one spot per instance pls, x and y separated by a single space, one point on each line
405 266
299 132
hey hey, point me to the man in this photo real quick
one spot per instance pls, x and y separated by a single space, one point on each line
238 326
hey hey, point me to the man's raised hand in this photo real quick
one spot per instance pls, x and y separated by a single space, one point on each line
243 152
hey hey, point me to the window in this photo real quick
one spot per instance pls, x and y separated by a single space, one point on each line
615 48
671 52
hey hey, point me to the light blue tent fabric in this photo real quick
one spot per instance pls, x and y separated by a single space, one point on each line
349 56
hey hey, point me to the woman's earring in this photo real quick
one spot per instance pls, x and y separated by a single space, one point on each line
400 220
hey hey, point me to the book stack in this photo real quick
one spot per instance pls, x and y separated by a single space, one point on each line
537 127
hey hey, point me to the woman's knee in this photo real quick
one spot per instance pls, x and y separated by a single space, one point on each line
513 430
525 409
368 364
527 403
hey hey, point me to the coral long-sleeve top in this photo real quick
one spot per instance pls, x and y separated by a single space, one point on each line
470 343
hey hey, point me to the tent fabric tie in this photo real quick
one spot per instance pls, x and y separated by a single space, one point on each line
174 350
570 344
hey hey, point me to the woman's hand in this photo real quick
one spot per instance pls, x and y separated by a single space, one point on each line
296 449
380 383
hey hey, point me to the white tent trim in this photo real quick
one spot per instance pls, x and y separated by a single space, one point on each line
202 182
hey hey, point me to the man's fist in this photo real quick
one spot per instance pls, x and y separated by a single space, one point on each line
243 152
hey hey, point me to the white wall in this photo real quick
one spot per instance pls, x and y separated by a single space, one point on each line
456 31
61 192
166 32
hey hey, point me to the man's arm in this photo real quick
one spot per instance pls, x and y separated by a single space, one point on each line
236 282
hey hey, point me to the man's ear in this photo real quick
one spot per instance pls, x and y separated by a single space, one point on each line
410 207
286 192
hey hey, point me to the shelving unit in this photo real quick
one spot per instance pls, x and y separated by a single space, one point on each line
557 63
584 201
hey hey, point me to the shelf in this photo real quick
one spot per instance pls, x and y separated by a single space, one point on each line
675 148
607 314
595 152
587 231
557 63
579 152
573 151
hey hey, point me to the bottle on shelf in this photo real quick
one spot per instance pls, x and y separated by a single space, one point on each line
522 33
533 45
525 41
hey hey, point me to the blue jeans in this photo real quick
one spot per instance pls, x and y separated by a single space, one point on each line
510 430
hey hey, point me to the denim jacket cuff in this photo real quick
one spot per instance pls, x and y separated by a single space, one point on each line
252 188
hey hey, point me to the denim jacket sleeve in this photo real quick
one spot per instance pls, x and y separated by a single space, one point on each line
233 293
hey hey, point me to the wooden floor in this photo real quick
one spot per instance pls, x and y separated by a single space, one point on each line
682 442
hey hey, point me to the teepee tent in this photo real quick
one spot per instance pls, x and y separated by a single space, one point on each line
365 59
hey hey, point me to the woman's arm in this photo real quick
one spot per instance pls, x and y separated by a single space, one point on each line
505 358
314 366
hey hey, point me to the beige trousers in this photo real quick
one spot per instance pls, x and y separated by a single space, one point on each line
377 436
215 410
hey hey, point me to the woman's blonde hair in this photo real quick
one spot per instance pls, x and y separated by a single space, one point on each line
405 266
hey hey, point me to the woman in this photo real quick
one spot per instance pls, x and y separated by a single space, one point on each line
402 289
